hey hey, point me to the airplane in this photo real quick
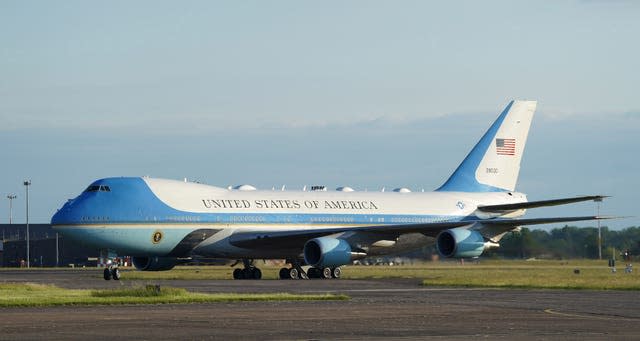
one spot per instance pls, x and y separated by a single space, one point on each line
162 223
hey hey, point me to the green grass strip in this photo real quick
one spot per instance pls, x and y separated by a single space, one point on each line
534 278
36 295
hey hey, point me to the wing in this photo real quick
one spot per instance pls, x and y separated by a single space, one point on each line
295 239
534 204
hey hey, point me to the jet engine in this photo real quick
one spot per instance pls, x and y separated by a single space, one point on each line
327 252
460 243
154 263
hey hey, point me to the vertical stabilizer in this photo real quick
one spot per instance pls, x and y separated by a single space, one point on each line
493 164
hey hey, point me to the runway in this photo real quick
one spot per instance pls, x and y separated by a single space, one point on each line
378 309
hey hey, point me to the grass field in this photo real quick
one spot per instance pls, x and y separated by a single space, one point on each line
32 295
487 273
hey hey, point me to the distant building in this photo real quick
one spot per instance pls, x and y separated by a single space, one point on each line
42 248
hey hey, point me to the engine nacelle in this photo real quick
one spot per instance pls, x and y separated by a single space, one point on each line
460 243
329 252
154 263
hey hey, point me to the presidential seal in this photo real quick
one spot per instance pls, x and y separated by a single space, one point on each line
156 237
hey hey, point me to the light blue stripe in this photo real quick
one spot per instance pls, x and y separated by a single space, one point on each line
275 218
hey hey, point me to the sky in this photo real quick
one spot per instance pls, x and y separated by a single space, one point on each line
369 94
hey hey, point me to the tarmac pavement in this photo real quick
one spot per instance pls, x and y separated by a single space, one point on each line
378 309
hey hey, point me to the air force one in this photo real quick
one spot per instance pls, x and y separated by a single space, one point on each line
161 223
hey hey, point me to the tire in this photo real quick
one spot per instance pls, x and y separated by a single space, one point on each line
294 274
115 274
336 273
106 274
326 273
237 273
284 273
256 273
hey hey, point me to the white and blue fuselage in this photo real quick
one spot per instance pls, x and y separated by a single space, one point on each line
125 214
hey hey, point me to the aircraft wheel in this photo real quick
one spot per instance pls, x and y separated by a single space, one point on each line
284 273
256 273
336 273
326 273
247 273
294 274
107 274
237 273
115 274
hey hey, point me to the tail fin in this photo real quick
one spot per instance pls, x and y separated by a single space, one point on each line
493 164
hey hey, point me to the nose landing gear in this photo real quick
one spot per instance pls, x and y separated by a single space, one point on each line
111 272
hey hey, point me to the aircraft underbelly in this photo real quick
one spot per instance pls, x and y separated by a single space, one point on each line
405 243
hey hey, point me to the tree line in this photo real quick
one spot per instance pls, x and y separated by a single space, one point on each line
568 242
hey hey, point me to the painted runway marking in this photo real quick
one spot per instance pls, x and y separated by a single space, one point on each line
403 290
593 317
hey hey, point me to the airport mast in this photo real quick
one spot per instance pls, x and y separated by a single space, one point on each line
27 183
11 197
598 201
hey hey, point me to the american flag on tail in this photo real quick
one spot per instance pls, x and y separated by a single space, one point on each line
506 146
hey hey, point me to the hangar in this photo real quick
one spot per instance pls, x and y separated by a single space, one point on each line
46 247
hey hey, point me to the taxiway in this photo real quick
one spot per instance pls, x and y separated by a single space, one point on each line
378 309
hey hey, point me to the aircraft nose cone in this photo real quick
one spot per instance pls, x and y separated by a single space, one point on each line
57 219
63 215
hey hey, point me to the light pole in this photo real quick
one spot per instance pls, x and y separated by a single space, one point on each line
11 197
27 183
598 201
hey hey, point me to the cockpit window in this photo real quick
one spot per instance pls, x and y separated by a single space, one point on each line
96 188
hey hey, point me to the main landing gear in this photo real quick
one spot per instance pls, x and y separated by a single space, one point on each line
111 272
296 272
248 272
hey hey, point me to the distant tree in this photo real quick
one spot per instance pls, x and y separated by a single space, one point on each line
567 242
559 243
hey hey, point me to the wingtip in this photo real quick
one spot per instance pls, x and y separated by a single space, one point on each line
607 217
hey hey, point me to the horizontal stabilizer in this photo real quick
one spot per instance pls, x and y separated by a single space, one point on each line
542 203
538 221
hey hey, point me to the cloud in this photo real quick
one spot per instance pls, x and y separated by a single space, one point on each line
586 116
202 122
